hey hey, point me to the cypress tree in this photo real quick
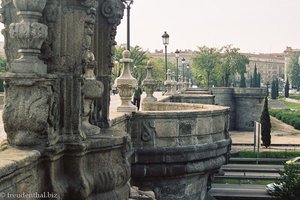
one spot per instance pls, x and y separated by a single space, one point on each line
251 81
243 81
255 78
258 80
287 88
273 90
277 87
265 125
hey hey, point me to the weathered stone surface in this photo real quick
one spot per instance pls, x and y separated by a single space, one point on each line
245 105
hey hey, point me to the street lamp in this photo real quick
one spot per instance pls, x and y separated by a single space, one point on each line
177 56
127 5
165 38
183 62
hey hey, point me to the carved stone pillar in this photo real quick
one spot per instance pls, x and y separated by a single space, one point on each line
30 106
126 84
92 89
149 84
30 35
109 15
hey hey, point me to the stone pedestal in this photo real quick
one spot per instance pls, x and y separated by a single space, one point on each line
149 84
126 84
168 83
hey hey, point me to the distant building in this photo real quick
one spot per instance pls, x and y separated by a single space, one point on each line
270 66
287 54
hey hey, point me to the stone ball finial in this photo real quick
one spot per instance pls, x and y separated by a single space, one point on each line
126 54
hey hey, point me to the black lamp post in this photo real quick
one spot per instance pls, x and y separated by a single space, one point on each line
165 38
177 56
127 5
183 62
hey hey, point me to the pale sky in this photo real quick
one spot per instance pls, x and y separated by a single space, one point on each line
258 26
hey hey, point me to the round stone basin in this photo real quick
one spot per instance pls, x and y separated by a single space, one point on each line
162 124
178 148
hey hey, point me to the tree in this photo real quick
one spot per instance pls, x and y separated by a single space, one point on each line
2 69
288 186
265 125
277 87
294 71
273 90
205 60
232 62
258 80
287 88
243 81
255 78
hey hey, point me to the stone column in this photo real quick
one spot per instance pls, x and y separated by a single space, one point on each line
149 84
30 101
180 84
109 15
126 84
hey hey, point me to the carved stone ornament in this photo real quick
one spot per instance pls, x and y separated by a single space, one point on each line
91 89
149 84
168 83
113 10
30 35
126 84
174 83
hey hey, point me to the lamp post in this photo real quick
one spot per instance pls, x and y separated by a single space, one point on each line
177 56
183 62
165 38
128 3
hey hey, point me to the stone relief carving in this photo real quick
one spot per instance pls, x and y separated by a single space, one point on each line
26 113
148 130
91 88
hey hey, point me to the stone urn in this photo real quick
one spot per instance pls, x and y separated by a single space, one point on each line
126 84
30 35
149 84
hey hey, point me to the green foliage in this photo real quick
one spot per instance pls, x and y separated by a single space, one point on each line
255 78
265 125
297 97
2 69
294 70
243 81
205 60
291 117
242 181
287 88
218 66
267 154
273 90
289 183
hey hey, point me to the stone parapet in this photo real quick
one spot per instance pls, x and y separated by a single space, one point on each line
194 98
179 146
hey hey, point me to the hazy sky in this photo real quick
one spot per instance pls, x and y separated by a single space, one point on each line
252 25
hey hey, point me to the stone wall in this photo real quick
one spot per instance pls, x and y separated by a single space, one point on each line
245 105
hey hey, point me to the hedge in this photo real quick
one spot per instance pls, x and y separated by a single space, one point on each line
291 117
